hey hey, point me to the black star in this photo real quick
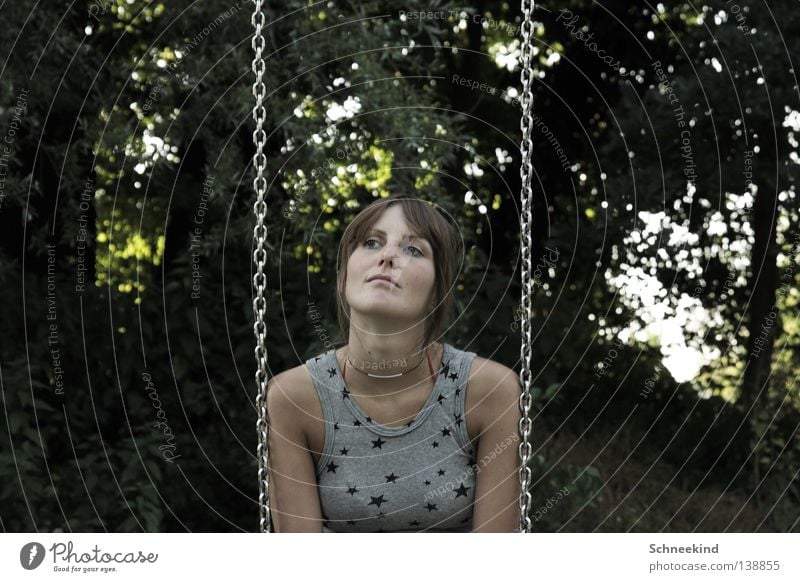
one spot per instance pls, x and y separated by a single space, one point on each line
391 478
316 359
441 472
434 444
441 398
331 372
343 452
378 443
427 482
445 431
335 426
369 419
431 507
458 391
458 419
415 522
409 423
332 467
357 423
445 369
345 393
376 500
352 490
462 491
454 377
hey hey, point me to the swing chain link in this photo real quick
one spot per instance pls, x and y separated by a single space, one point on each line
526 175
260 259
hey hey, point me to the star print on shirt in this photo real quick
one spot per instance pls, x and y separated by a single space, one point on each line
462 491
447 432
377 500
331 372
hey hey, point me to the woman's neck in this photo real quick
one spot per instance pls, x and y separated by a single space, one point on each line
399 367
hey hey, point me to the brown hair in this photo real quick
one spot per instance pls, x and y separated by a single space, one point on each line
427 222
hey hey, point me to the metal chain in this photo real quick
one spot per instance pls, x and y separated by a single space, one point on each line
526 174
260 259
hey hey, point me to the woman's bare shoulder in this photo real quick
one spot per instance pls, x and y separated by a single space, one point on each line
487 374
293 392
489 382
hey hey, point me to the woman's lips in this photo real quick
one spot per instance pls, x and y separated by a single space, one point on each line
387 282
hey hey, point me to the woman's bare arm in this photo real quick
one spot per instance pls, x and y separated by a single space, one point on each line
497 483
294 498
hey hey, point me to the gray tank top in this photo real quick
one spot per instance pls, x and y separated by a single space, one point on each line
377 478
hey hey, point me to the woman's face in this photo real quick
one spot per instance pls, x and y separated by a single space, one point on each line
389 251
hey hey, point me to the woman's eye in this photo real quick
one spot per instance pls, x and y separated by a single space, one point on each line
418 252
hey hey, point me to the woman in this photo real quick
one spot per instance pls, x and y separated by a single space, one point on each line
395 431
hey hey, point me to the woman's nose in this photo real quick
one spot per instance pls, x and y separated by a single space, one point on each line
389 252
